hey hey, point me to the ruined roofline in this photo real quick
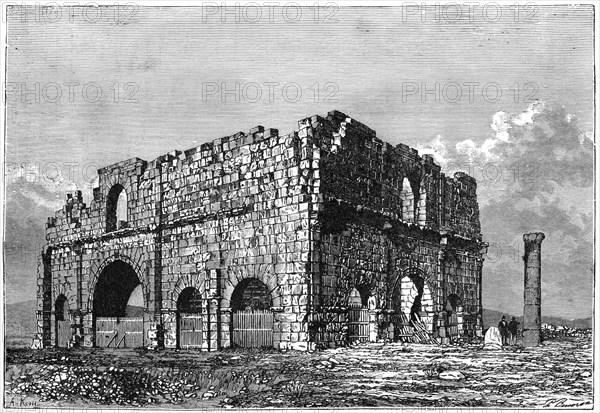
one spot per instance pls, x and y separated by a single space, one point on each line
401 149
259 133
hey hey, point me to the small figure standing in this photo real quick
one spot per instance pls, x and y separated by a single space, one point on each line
513 330
503 327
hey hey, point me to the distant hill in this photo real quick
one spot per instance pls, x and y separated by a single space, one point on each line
492 318
19 323
134 311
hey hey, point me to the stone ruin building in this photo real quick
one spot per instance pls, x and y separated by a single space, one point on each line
313 239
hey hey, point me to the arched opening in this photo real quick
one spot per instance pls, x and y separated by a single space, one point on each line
252 317
113 306
114 288
454 316
409 197
116 208
413 306
251 294
190 319
354 299
358 315
63 321
421 203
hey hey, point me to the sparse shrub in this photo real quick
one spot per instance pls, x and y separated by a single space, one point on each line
434 369
294 389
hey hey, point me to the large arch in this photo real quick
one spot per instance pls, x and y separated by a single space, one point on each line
111 297
412 301
416 296
114 287
98 267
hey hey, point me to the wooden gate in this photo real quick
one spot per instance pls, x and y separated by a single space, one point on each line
358 325
190 330
120 332
452 325
63 333
403 328
252 328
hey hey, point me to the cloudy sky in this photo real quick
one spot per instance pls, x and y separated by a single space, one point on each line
504 94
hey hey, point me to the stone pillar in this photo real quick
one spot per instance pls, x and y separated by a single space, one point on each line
373 325
213 303
88 330
226 328
78 334
532 309
479 322
169 323
44 297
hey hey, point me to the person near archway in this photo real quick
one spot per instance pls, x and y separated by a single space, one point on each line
503 327
513 330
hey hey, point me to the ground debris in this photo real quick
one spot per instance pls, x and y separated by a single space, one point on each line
556 374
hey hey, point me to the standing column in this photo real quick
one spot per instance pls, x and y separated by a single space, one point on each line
479 322
532 309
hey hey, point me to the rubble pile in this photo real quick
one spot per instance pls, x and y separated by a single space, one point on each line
131 386
558 373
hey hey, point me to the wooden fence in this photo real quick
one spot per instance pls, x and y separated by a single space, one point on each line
120 332
358 325
252 328
63 333
190 330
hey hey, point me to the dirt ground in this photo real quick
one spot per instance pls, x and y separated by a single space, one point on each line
557 374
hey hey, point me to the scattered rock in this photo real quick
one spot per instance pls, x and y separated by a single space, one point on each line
451 375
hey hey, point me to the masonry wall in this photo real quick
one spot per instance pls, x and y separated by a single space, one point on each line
365 239
313 215
207 218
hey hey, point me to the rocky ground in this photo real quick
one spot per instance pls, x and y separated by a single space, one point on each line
557 374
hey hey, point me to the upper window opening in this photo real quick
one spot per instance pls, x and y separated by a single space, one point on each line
408 201
116 209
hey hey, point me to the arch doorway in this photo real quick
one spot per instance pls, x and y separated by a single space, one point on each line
454 316
358 316
190 324
63 322
413 306
116 309
252 318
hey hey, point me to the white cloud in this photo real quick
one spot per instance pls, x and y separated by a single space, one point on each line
501 125
526 117
437 149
